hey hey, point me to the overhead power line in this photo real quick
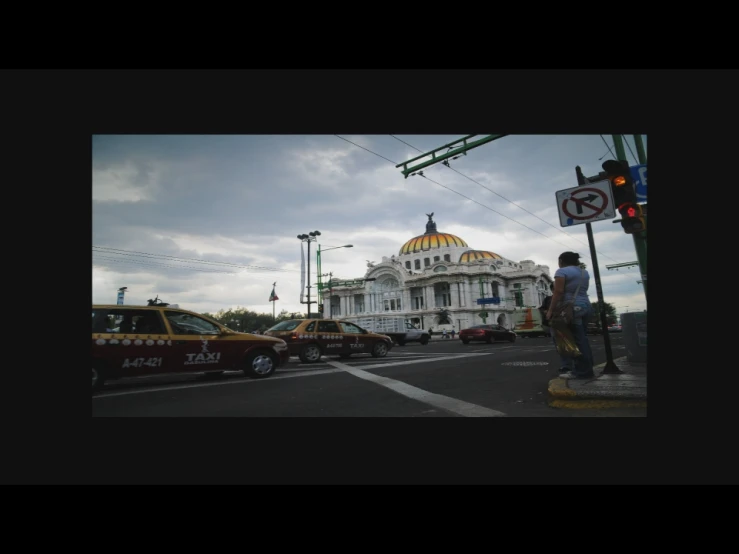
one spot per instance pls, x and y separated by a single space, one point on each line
118 251
468 198
155 264
507 200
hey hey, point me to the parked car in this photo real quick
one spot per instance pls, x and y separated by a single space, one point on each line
131 341
487 333
615 328
593 329
309 339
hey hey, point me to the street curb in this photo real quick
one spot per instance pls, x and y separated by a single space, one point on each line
595 404
562 396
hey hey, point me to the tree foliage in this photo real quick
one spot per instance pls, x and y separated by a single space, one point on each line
611 315
241 319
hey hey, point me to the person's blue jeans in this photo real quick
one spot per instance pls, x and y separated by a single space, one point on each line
583 365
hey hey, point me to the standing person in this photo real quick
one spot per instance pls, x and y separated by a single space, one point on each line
443 334
566 363
571 283
453 331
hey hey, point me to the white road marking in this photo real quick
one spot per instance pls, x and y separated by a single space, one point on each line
219 383
281 374
446 403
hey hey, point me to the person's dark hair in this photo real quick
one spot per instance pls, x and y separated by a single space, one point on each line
551 286
570 258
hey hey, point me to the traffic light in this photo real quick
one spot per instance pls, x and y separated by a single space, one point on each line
320 308
632 219
624 196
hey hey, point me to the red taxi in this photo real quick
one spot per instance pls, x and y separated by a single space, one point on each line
131 341
309 339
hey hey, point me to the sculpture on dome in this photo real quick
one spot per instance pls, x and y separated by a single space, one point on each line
431 225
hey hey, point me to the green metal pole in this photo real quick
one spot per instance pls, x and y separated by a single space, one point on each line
454 151
482 295
640 239
318 266
640 149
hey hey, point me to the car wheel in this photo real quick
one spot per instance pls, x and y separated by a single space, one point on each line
465 341
98 377
425 341
258 365
489 340
512 339
310 353
379 350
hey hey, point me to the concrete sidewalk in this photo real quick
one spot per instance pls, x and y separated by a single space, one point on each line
620 390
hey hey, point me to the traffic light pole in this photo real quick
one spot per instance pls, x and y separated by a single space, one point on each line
610 366
640 239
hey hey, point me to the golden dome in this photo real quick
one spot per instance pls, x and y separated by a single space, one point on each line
431 242
474 255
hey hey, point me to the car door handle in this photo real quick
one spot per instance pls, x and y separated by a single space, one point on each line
181 342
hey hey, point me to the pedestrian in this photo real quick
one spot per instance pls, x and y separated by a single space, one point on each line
453 332
571 283
566 362
443 334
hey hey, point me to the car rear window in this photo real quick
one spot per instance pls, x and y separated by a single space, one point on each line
285 325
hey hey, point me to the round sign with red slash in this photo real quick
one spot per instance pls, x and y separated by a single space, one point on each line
582 203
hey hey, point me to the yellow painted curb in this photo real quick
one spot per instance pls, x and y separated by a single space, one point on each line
592 403
558 387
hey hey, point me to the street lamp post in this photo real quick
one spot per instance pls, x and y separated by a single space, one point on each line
318 266
310 237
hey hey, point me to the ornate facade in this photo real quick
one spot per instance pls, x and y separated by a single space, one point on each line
439 271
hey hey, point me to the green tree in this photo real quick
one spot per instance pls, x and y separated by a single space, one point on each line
611 316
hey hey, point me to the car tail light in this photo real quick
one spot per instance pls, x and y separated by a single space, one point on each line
294 336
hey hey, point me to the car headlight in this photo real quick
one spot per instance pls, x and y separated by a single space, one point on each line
280 346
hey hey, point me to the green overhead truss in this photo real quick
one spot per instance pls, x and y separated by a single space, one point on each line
452 149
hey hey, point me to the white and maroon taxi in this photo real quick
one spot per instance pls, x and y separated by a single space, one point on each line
131 341
310 339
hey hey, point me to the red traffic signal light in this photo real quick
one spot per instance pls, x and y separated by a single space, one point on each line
633 220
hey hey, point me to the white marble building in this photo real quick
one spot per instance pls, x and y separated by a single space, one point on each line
437 271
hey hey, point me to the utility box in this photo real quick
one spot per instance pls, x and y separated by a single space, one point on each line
634 328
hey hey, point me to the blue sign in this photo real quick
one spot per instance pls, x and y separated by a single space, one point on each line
493 300
639 174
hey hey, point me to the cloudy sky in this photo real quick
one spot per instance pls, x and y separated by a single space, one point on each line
210 222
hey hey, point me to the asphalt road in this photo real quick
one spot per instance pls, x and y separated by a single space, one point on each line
442 379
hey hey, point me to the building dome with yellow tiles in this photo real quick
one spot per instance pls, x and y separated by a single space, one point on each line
431 240
437 281
481 255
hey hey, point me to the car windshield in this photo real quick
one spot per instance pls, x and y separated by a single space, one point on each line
285 325
187 323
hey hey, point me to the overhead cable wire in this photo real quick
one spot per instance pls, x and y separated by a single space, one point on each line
155 264
507 200
498 194
109 250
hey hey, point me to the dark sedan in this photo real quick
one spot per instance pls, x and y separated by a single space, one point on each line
487 333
